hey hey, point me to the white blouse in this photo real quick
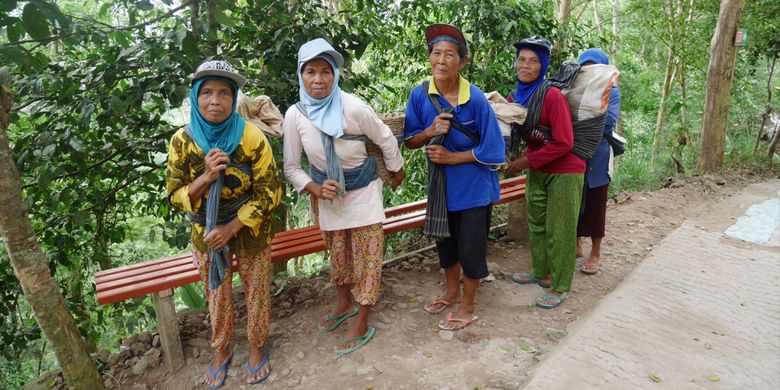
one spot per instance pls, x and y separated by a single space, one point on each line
358 207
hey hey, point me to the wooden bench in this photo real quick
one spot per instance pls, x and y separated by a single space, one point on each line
159 277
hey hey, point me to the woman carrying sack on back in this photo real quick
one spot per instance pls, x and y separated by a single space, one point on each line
555 174
330 126
593 218
221 172
453 120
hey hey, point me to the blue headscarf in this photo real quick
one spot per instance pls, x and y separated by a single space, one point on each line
225 135
595 56
326 113
524 91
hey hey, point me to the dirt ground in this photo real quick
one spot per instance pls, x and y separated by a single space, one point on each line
409 351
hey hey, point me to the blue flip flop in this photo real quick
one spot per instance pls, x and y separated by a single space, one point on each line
558 299
214 374
528 278
337 320
363 340
251 371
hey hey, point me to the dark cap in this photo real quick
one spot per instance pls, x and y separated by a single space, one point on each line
534 41
436 30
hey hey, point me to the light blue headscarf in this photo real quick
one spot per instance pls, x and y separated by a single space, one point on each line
326 113
225 135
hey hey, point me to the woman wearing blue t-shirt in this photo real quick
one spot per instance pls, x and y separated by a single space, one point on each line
453 120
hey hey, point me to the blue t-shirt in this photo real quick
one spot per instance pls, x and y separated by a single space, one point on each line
472 184
598 166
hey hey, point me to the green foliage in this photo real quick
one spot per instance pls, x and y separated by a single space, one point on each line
760 19
191 297
95 81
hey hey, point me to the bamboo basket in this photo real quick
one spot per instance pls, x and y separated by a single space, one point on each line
395 121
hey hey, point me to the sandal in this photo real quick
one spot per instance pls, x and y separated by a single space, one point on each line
252 371
436 301
556 299
337 320
529 278
461 323
592 270
363 340
221 369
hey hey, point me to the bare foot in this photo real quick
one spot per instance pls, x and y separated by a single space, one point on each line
220 358
438 304
357 330
590 266
458 319
551 300
335 315
256 355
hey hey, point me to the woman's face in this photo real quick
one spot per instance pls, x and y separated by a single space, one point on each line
446 63
317 76
215 100
527 66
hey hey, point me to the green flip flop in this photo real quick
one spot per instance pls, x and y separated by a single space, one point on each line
363 340
337 320
557 300
529 278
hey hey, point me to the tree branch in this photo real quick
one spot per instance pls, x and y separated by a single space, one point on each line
113 29
103 160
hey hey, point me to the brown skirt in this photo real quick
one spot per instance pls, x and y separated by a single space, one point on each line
593 219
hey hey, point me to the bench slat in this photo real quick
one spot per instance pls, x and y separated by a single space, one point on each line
141 265
136 280
185 260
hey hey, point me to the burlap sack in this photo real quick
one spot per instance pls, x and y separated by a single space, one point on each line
261 112
588 95
506 113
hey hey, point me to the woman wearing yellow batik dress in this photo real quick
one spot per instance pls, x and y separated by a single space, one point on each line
222 173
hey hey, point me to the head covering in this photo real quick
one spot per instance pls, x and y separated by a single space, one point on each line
444 32
534 41
596 56
325 113
219 68
525 91
227 134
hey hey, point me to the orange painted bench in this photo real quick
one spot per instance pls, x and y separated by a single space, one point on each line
159 277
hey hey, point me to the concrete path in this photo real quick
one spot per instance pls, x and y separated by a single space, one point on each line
701 312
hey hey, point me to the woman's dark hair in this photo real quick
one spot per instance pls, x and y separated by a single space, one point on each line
462 51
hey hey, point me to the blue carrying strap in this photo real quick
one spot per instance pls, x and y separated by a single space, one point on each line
218 257
348 180
474 137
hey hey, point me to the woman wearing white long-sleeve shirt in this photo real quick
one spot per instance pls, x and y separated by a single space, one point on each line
330 126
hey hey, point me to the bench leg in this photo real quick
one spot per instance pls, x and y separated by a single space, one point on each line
517 229
169 329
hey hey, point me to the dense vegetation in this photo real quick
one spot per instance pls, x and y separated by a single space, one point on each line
94 81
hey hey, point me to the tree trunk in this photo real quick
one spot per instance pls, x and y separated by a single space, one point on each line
768 109
562 16
773 145
31 269
613 44
213 41
683 97
596 18
720 75
194 15
563 11
661 118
